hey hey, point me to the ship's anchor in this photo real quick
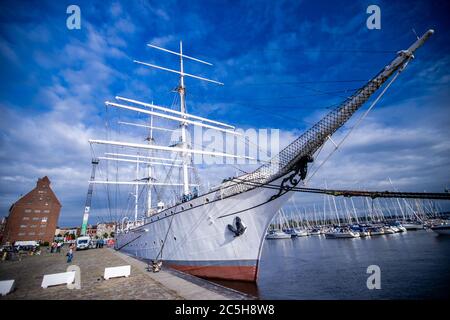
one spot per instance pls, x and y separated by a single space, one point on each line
239 229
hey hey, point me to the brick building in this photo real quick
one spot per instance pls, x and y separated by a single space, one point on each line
34 216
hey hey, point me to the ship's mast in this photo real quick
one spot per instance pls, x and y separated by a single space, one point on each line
182 92
136 195
184 116
149 187
181 117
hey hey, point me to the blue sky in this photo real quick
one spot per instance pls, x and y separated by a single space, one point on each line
279 60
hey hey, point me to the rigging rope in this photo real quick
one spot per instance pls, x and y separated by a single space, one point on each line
363 116
354 193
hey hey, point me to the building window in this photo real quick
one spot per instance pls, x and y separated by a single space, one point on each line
41 233
23 225
35 218
43 225
44 219
31 233
37 211
26 218
33 226
46 211
27 210
21 233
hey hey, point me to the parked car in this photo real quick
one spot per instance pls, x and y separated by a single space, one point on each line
83 243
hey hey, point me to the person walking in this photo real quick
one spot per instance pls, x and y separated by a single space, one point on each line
70 254
58 247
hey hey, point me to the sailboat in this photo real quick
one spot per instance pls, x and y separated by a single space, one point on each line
341 233
300 230
220 233
279 232
411 225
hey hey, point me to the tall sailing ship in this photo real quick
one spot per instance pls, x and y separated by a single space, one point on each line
219 233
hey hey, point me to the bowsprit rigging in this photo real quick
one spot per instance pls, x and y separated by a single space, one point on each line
361 193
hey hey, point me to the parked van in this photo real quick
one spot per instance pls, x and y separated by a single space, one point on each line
83 242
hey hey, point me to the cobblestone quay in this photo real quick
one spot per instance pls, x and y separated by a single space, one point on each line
29 271
141 285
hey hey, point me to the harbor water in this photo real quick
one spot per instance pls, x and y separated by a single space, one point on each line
413 265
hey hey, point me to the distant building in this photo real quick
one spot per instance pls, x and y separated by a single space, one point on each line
34 216
105 227
65 232
91 231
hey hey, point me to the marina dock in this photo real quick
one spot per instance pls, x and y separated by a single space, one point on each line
141 285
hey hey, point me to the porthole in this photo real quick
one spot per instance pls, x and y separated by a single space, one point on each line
191 205
182 208
175 238
207 200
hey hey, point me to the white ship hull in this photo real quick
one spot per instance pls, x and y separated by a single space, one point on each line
199 242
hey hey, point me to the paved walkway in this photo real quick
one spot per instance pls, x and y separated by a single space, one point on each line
141 284
187 286
29 272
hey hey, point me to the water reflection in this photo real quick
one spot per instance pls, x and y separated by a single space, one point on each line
414 265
